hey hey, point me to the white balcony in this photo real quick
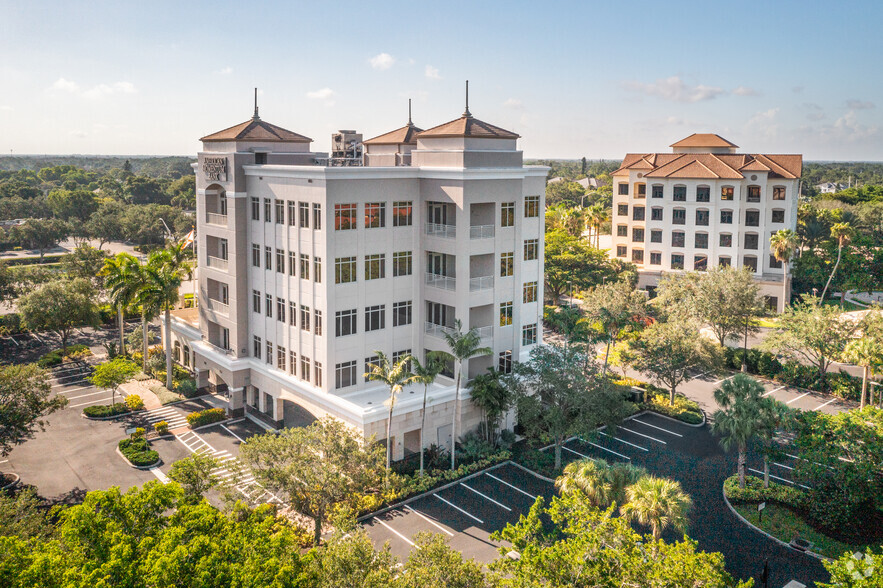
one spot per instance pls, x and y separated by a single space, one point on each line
214 218
481 283
445 231
440 281
218 306
481 232
485 332
216 263
438 330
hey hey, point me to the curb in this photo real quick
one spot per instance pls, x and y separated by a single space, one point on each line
674 420
12 484
201 427
131 465
768 536
109 418
533 473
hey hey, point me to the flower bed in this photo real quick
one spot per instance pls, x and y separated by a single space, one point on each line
657 400
106 410
206 417
54 357
138 452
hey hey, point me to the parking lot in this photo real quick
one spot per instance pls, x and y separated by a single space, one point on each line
468 512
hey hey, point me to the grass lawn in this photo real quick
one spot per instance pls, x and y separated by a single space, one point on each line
770 323
783 524
847 306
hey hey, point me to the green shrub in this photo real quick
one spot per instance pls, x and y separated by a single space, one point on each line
106 410
10 324
54 357
161 427
206 417
755 492
138 451
164 394
684 409
139 433
134 402
186 387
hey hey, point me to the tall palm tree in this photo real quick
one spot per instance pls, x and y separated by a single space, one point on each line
843 233
596 215
181 259
601 483
784 245
463 346
122 285
426 375
867 353
773 416
161 282
657 502
738 419
395 376
492 397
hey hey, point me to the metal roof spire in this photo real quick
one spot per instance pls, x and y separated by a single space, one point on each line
256 117
467 113
410 122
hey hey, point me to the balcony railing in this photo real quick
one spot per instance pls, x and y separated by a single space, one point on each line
218 306
438 330
481 232
445 231
216 263
214 218
440 281
485 332
481 283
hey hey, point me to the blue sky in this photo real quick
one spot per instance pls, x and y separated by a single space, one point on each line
573 78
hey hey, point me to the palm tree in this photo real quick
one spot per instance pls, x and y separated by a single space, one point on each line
426 375
738 419
492 397
868 354
395 376
180 259
463 346
773 415
161 282
784 245
601 483
843 233
122 285
596 215
657 502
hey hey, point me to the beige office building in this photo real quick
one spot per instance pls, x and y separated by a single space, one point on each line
306 269
701 205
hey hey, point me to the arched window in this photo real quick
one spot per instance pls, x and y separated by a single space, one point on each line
186 356
176 350
727 192
753 194
680 194
778 192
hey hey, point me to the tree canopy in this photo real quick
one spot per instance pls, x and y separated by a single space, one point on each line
25 401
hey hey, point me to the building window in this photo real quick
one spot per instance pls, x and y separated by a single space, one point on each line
303 214
621 250
679 216
255 208
345 374
370 362
505 314
292 263
280 358
750 262
656 213
623 230
504 363
507 214
256 301
375 215
623 189
255 255
752 218
727 193
703 194
280 261
398 356
280 212
292 363
701 240
375 266
317 217
529 334
401 313
530 292
345 322
305 368
751 240
402 213
638 213
677 261
507 264
622 210
317 374
402 262
655 258
375 317
726 240
775 263
640 190
258 347
677 239
531 206
723 261
317 322
753 194
292 213
778 216
292 314
680 194
268 305
726 217
702 218
637 235
260 158
656 191
531 249
344 270
778 192
280 309
638 255
304 318
700 263
304 266
656 236
268 258
268 211
317 270
345 217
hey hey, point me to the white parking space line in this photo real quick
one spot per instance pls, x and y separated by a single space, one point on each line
4 461
74 389
97 401
511 486
74 382
797 398
659 428
781 465
232 433
451 504
720 381
778 478
486 497
159 475
402 537
825 404
90 394
775 390
566 448
626 442
608 450
428 520
643 435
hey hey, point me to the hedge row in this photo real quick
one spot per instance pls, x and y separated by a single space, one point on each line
106 410
138 452
54 357
206 417
754 492
656 399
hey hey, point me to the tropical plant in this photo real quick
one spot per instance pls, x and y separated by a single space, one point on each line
195 474
773 416
616 309
866 352
113 373
596 215
492 397
657 502
738 421
394 376
600 483
842 232
59 305
426 375
122 287
462 347
25 398
784 245
162 278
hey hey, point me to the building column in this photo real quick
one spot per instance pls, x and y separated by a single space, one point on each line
236 406
201 378
278 414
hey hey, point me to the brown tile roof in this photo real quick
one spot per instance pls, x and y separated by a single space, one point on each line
407 135
468 126
256 130
711 165
703 140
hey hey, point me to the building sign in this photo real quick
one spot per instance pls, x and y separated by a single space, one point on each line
215 169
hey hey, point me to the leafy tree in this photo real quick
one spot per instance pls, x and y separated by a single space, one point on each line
842 232
433 563
811 333
600 483
564 217
670 352
41 234
22 514
426 375
854 570
84 262
105 224
564 192
489 393
183 192
559 393
463 346
596 215
194 474
773 416
615 309
59 305
571 264
7 283
657 502
394 376
144 190
738 420
349 559
316 468
784 244
72 205
25 398
112 374
162 278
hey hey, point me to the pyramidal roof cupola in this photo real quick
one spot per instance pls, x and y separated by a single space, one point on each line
256 130
406 135
467 126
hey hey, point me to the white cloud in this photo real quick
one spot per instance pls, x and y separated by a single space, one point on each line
66 85
859 105
676 90
815 116
766 116
96 92
432 73
513 103
745 91
226 71
323 94
382 61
